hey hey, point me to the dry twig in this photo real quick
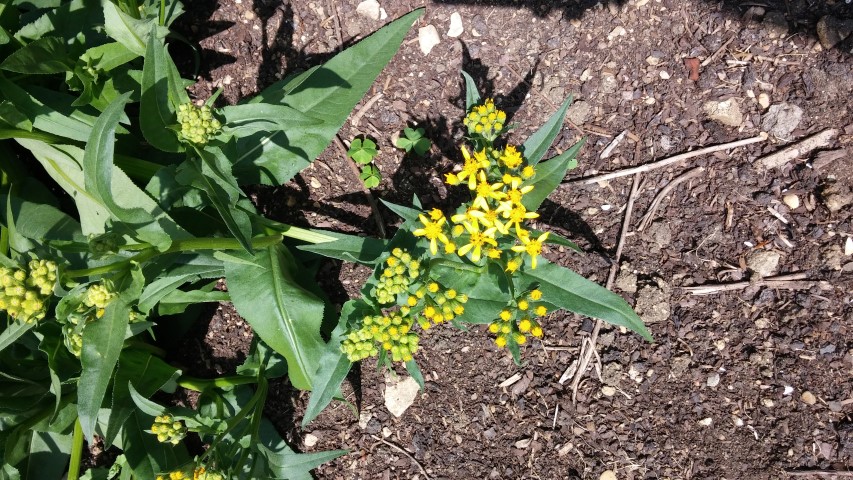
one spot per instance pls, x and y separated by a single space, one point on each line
664 192
356 117
668 161
804 146
793 281
588 348
818 473
404 452
372 201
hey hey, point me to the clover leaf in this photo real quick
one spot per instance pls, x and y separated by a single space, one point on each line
362 151
414 140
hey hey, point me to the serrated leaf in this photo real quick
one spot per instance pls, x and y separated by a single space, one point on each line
131 32
537 145
287 317
549 175
566 289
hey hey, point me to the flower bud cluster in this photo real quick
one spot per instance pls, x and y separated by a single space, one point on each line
391 332
400 271
514 324
439 305
168 430
485 120
92 306
24 293
197 123
199 473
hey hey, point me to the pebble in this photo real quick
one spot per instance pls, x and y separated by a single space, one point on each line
315 183
579 112
456 28
835 406
713 380
400 396
763 100
608 391
428 38
726 112
848 246
607 475
808 398
664 74
792 201
767 402
831 31
763 262
706 421
369 9
780 120
310 440
619 31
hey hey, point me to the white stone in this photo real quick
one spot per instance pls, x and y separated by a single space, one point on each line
763 262
616 32
664 74
428 38
848 246
369 9
726 112
400 396
608 475
808 398
713 380
792 201
608 391
706 421
763 100
310 440
456 28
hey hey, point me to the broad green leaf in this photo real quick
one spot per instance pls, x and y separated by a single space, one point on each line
148 407
177 276
131 32
487 288
156 111
364 250
44 56
415 372
13 332
549 175
101 348
329 94
44 222
286 317
98 172
566 289
148 374
55 118
408 214
68 20
10 115
362 151
472 97
296 466
108 56
538 144
246 119
178 301
48 454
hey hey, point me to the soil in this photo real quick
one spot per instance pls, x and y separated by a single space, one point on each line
747 383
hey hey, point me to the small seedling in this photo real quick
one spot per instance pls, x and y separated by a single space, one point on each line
362 151
370 176
414 139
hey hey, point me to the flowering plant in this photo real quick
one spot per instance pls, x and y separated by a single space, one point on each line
480 263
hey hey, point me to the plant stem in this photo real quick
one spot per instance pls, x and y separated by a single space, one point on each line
202 384
76 451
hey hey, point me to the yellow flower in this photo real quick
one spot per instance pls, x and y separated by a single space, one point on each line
433 230
472 167
512 265
535 294
536 331
451 179
532 247
524 325
528 172
511 157
541 311
487 191
514 194
500 341
517 215
476 241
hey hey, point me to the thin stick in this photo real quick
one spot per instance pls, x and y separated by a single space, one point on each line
818 473
793 281
664 192
356 117
588 348
404 452
668 161
372 201
719 50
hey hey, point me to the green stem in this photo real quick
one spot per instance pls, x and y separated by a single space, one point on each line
202 384
76 451
234 422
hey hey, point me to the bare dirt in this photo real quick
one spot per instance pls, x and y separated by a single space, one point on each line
753 382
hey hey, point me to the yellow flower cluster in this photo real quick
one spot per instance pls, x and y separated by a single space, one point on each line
168 430
438 305
391 331
24 293
485 120
197 123
94 303
516 322
199 473
400 271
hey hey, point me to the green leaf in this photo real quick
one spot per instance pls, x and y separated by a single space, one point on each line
414 140
101 349
287 317
13 332
487 288
156 111
549 175
538 144
246 119
44 222
146 457
415 372
362 151
472 97
408 214
48 454
364 250
49 116
131 32
108 56
566 289
370 176
176 276
44 56
148 407
329 93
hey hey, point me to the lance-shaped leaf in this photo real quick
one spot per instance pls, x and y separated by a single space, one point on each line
286 316
160 92
566 289
472 96
44 56
549 175
365 250
538 144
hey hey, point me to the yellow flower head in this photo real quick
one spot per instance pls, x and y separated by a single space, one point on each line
433 231
532 247
511 157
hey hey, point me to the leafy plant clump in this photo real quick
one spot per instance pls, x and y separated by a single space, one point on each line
363 151
477 264
121 209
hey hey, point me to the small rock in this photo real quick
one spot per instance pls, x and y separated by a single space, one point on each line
579 112
386 432
369 9
310 440
835 406
726 112
611 373
713 380
808 398
762 323
679 365
706 422
626 280
664 74
831 31
315 183
763 262
653 60
608 391
768 402
607 475
780 120
619 31
763 100
400 396
848 246
792 201
788 390
836 196
428 38
456 28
